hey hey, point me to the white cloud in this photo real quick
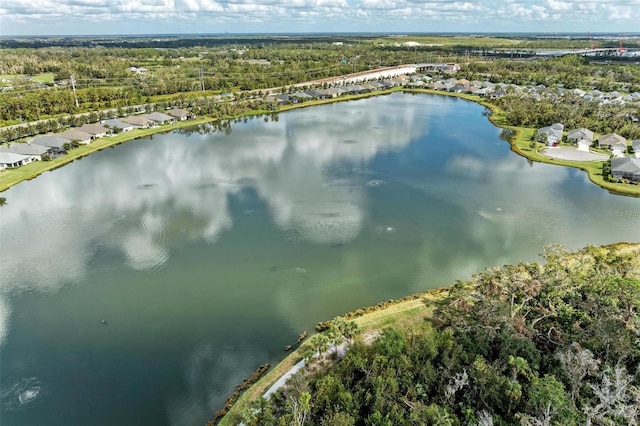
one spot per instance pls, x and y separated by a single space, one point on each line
148 16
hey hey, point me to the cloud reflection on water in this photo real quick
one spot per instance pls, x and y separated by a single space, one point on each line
145 197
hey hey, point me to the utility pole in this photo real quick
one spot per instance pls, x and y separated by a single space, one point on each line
201 78
73 86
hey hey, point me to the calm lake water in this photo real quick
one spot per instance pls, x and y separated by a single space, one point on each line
207 253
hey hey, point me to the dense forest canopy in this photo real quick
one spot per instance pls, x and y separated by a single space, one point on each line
531 344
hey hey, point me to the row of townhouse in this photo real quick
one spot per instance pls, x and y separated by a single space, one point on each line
497 90
333 92
55 145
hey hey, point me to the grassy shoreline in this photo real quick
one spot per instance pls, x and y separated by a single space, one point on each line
519 142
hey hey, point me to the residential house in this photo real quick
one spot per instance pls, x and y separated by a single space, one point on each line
118 125
553 134
159 118
299 96
283 99
596 94
613 95
316 94
95 130
354 89
51 141
626 168
457 88
581 137
180 114
635 145
33 151
138 120
76 135
614 142
485 91
331 92
10 160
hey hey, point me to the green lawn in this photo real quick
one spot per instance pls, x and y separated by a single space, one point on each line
46 78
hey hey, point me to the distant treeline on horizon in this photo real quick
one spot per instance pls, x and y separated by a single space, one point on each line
46 40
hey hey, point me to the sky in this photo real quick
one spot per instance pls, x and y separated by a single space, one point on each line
96 17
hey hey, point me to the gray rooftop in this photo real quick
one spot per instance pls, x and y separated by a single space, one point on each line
158 117
52 141
11 158
580 133
93 129
24 149
117 124
75 135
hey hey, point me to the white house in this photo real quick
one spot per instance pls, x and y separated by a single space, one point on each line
9 160
34 151
119 125
553 133
575 135
158 117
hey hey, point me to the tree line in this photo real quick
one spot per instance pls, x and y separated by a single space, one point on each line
527 344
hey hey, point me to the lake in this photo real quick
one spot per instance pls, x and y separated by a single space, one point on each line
141 284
